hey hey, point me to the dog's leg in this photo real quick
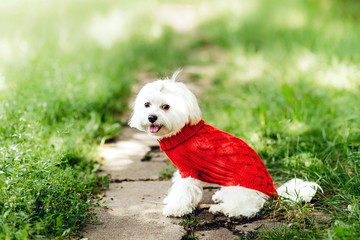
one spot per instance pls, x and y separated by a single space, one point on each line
183 197
238 201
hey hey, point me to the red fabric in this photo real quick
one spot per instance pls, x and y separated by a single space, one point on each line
208 154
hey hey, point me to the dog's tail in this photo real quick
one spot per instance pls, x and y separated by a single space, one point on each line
298 190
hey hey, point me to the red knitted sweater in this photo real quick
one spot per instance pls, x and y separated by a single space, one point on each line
208 154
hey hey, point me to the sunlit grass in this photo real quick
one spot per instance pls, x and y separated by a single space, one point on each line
61 87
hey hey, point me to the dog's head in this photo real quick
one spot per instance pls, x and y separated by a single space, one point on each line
163 107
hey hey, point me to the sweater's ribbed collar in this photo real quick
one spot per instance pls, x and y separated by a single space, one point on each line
185 133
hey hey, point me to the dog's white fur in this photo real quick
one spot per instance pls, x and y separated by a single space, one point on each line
174 106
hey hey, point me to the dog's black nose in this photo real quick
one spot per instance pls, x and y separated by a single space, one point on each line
152 118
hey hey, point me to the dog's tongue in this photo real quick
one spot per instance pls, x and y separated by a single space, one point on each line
154 128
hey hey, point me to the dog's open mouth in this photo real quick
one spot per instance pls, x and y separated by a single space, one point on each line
154 128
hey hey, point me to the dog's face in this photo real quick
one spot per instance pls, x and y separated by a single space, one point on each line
163 107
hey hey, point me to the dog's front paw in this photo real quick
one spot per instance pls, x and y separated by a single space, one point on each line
176 211
217 198
216 208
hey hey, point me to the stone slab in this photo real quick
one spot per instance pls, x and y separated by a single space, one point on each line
134 212
263 224
217 234
122 159
207 195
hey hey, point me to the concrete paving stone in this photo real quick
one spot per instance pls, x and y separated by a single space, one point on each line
134 134
216 234
263 224
134 212
207 195
133 170
122 159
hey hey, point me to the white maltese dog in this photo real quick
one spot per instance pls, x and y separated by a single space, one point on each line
169 111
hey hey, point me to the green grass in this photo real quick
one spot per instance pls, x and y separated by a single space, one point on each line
291 89
189 222
61 89
284 78
55 106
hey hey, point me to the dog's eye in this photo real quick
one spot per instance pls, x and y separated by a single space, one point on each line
147 104
165 107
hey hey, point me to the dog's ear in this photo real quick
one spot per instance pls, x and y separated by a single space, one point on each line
191 104
194 110
136 116
134 121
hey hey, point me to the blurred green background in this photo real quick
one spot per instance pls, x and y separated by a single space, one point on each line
282 75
